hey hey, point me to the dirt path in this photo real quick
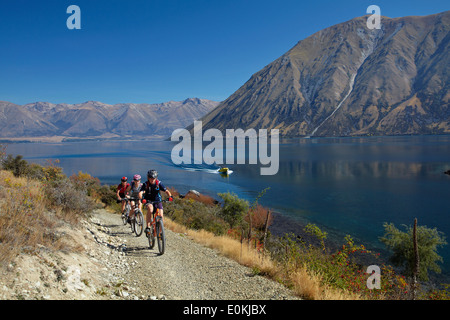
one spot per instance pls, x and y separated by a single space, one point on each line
187 270
108 262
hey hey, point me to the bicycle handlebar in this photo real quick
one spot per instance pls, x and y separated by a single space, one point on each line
145 202
129 199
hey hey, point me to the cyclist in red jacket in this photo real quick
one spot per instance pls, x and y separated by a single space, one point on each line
122 191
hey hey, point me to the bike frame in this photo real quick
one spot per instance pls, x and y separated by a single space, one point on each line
133 208
155 215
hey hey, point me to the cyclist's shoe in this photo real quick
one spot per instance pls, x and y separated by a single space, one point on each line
147 231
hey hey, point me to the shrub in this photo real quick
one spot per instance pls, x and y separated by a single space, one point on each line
17 165
402 246
233 209
85 182
196 215
259 217
63 194
107 195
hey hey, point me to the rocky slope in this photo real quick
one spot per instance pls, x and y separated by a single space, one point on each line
113 264
350 80
95 119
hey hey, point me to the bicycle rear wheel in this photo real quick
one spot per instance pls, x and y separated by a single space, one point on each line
125 214
138 225
160 235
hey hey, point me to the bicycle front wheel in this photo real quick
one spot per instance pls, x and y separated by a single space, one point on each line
138 222
160 236
151 238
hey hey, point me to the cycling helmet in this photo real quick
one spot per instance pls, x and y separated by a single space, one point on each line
152 174
137 177
123 179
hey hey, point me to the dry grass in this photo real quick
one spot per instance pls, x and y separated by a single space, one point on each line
25 224
304 284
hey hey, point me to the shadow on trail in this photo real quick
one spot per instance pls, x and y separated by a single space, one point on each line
106 225
120 233
140 251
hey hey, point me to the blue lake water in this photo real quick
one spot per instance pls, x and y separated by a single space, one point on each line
344 185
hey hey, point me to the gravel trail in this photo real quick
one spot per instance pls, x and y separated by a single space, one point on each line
187 270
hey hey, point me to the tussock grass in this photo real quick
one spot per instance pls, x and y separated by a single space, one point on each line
29 219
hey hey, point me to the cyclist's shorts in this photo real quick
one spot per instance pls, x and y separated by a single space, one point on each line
158 205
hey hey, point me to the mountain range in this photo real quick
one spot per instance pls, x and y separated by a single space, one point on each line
345 80
96 120
349 80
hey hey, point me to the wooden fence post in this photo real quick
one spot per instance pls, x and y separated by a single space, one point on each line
416 261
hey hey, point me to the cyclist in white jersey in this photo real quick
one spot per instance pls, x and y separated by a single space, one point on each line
133 192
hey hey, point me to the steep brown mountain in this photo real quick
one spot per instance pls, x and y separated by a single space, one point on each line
95 119
349 80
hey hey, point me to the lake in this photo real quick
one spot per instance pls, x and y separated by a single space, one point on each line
344 185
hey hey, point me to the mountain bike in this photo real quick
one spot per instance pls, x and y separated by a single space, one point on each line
156 228
126 212
137 221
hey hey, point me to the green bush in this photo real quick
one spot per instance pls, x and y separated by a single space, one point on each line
401 244
234 209
17 165
196 215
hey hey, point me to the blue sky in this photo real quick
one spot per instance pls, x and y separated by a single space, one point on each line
154 51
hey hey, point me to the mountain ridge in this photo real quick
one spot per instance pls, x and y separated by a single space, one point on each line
348 80
45 121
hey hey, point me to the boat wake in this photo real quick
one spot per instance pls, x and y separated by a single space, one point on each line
205 170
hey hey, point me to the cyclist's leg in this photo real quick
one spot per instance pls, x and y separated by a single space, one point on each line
161 211
148 217
132 209
123 206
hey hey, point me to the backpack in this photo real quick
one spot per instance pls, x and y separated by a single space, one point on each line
146 186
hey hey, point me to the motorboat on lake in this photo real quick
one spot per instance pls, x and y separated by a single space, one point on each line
223 170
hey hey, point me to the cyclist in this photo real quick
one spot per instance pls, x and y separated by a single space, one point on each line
151 191
134 192
122 191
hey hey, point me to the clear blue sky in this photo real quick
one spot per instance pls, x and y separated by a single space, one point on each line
154 51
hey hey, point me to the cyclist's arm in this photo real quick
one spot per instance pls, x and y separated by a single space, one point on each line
163 188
